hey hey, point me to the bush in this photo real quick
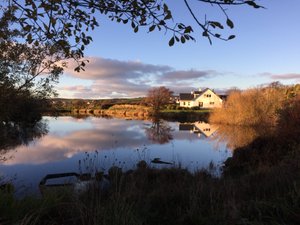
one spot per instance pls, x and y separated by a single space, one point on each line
257 106
171 107
19 106
289 118
106 106
196 108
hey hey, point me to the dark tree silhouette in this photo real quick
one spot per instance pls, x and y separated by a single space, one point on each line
27 74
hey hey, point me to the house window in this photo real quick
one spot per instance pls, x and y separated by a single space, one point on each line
183 103
188 103
208 95
211 103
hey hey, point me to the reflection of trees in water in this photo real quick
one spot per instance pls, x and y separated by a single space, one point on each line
159 131
75 115
240 136
13 135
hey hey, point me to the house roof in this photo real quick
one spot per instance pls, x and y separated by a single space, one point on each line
191 96
186 96
206 90
223 96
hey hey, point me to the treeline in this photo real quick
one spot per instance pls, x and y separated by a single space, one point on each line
258 106
20 106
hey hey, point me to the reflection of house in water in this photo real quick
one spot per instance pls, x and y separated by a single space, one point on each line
200 128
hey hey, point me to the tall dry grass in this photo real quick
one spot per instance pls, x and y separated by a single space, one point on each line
256 106
289 118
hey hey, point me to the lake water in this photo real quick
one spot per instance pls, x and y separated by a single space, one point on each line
88 144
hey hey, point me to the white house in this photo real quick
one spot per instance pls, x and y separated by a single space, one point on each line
203 99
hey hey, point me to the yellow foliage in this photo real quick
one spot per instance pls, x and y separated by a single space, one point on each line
252 107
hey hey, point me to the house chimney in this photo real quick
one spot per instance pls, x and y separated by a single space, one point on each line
192 92
199 89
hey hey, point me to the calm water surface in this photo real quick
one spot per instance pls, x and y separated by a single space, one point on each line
81 145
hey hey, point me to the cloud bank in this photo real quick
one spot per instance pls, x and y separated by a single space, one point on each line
114 78
288 76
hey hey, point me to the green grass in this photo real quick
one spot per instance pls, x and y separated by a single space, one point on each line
186 111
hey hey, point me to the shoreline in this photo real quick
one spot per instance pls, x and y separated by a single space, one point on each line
171 115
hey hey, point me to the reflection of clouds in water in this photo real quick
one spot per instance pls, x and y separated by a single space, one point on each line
64 125
136 128
55 148
107 142
14 135
101 134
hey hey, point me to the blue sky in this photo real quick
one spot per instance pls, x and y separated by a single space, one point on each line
127 64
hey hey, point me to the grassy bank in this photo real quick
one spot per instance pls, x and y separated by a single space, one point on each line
198 111
136 112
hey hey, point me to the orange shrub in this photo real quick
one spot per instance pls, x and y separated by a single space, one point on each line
257 106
